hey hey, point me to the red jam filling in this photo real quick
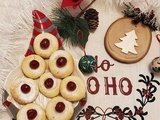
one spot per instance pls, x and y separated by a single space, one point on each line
34 64
31 114
44 44
71 86
49 83
25 88
60 106
61 62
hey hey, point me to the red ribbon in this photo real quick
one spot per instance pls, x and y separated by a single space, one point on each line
158 37
6 103
104 112
83 102
41 24
82 37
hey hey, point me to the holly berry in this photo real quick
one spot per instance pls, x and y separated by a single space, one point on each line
137 9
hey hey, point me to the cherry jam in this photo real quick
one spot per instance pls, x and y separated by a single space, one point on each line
31 114
34 64
25 88
61 62
44 44
60 106
49 83
71 86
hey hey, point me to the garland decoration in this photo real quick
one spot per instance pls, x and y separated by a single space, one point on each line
117 113
68 26
147 18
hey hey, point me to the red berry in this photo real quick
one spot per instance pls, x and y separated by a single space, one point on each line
137 9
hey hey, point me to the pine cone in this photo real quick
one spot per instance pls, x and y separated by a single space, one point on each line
91 15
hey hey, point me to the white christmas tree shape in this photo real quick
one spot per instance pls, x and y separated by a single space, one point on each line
128 43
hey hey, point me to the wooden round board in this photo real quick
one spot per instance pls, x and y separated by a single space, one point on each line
119 31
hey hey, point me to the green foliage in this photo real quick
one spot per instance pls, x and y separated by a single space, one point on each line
147 18
72 29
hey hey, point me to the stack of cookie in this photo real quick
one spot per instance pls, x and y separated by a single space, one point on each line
47 72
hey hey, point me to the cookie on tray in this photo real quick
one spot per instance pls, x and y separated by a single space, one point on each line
31 111
73 88
45 44
49 85
59 108
61 64
24 90
33 66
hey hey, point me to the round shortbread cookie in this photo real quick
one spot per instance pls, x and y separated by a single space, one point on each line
59 109
45 44
49 85
61 64
33 66
24 90
31 111
137 45
73 88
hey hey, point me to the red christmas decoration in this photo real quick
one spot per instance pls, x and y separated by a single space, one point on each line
42 24
73 3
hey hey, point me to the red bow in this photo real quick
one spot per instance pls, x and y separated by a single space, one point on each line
73 3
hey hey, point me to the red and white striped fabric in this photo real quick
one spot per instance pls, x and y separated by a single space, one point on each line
41 24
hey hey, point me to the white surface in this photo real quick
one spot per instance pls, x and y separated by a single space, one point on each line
15 33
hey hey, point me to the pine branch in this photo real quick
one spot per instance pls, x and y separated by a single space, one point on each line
68 26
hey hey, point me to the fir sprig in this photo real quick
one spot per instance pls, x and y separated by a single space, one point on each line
147 18
68 27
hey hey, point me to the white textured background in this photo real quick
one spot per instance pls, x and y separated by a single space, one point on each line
15 33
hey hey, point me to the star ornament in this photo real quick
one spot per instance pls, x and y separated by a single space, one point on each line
73 3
